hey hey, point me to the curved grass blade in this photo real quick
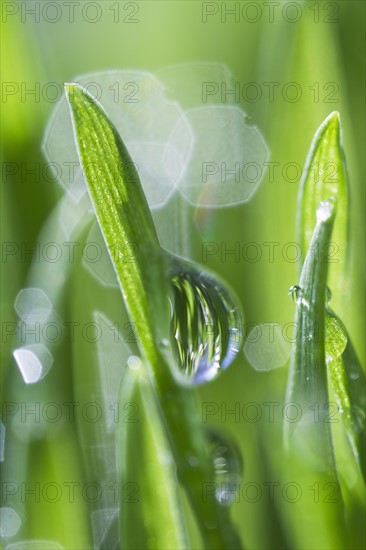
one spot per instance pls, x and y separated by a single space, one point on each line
324 176
147 475
309 440
349 386
308 376
123 215
125 219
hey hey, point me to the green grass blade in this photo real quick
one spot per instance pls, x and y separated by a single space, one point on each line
147 475
308 376
349 386
324 176
309 440
123 215
356 386
125 219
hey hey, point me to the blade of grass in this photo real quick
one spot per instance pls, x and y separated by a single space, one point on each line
308 376
324 176
349 386
125 219
309 441
147 471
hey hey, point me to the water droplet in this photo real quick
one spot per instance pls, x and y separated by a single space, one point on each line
228 467
335 336
205 324
297 295
328 296
249 120
295 292
134 362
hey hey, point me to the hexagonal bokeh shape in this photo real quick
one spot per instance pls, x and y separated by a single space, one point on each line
266 348
10 522
33 305
228 160
34 362
135 103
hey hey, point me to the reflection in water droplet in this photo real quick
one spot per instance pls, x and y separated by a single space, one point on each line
295 293
335 336
205 324
228 467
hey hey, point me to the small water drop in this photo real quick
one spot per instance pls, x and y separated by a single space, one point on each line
328 296
335 336
249 120
296 293
205 324
228 467
134 362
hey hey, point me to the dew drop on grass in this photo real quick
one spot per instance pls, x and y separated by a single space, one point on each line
228 467
297 295
295 292
335 337
134 362
328 296
205 325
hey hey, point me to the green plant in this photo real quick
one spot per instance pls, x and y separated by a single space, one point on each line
124 218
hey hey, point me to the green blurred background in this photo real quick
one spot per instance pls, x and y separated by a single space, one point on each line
313 42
